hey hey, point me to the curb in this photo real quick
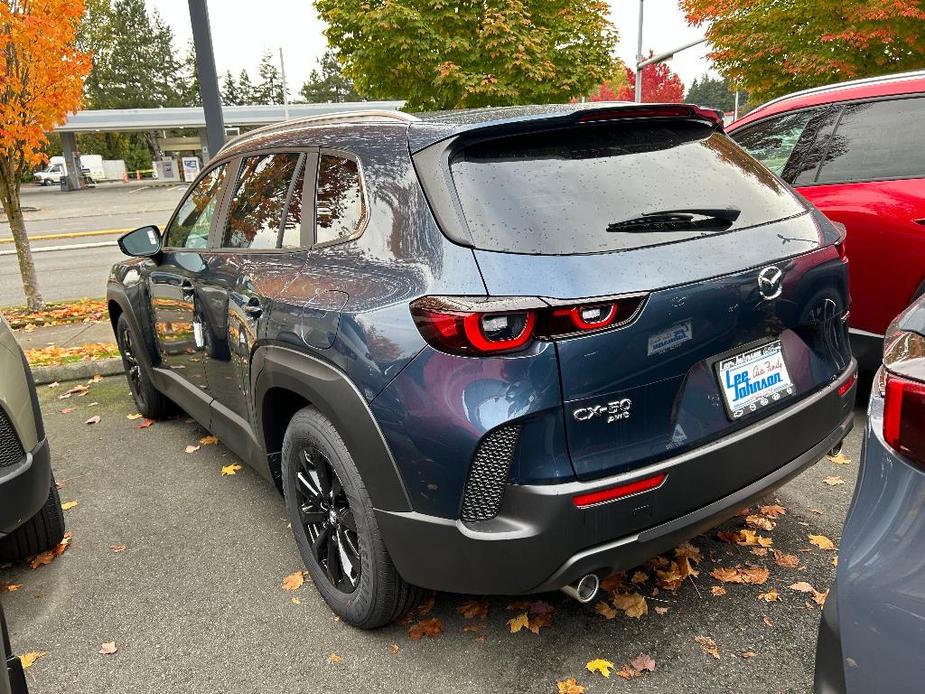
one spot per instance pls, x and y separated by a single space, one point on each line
77 371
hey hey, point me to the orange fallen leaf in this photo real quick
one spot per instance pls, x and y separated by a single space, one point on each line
67 410
755 575
770 596
230 469
27 659
639 577
788 561
569 686
68 505
432 628
833 480
144 423
334 658
772 511
294 580
191 449
8 587
633 604
708 645
718 590
748 654
751 538
108 648
133 416
821 541
802 586
62 546
644 663
605 610
600 666
295 601
117 548
473 608
95 419
396 649
208 440
760 522
519 622
767 621
840 459
661 610
41 559
537 622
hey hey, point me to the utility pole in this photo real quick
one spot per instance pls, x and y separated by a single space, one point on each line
282 73
208 78
735 112
638 97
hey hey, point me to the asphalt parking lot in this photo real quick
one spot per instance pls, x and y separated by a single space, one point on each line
195 601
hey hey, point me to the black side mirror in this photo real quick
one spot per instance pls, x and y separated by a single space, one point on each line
143 242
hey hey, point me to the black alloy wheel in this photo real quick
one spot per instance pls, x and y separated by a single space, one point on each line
132 366
328 520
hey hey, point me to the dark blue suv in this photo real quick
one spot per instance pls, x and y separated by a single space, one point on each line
494 351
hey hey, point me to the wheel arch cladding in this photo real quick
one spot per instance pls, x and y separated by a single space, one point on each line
284 378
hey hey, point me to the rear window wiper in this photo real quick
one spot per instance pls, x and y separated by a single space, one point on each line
692 219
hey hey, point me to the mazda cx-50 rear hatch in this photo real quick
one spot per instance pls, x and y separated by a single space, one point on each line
692 292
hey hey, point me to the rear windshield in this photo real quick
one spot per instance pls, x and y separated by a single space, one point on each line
612 186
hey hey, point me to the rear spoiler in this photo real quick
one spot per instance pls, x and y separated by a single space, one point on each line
433 144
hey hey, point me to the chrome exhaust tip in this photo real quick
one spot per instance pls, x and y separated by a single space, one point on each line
584 589
836 449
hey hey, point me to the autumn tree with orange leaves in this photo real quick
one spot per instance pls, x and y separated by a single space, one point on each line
41 81
773 48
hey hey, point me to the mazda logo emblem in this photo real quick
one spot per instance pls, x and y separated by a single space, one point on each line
770 282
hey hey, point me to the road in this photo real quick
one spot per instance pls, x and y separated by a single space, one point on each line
81 268
195 602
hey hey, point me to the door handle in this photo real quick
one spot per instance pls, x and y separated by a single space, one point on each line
253 308
186 288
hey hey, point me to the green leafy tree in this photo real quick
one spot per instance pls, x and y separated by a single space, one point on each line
773 47
440 55
713 92
230 93
270 88
245 89
188 82
327 83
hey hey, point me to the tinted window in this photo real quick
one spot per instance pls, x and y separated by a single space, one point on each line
190 227
882 139
772 141
598 187
804 162
255 215
341 207
292 224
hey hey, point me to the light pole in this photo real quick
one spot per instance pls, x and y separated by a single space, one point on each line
638 97
208 78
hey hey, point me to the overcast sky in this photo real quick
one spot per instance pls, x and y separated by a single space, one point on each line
241 32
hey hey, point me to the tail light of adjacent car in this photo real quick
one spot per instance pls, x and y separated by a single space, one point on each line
487 325
903 389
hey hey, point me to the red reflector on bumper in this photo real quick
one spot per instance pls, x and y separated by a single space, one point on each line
643 485
846 386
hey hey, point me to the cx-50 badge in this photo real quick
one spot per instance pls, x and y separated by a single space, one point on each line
771 282
613 411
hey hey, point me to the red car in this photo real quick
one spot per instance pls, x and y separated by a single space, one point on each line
856 150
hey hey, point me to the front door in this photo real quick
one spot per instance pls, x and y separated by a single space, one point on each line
174 284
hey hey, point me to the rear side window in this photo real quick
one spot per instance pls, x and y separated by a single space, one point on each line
877 140
772 141
190 226
612 186
255 216
341 205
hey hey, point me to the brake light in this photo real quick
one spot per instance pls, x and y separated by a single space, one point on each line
483 325
840 244
904 416
619 492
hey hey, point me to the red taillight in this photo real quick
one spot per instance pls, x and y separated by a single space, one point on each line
618 492
847 385
904 416
840 244
480 325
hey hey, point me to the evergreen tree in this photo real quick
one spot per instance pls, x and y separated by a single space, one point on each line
327 83
245 89
189 94
231 95
270 88
716 93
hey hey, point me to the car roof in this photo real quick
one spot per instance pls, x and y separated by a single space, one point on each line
867 88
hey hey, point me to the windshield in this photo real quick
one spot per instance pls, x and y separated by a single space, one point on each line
608 186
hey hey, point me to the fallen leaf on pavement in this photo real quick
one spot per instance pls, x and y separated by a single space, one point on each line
95 419
605 610
53 384
760 522
544 619
751 538
117 548
569 686
788 561
96 379
600 666
770 596
144 423
613 582
191 449
833 480
108 648
772 511
767 621
334 658
633 604
760 551
644 663
396 649
718 590
802 586
66 410
473 608
661 610
755 575
208 440
639 578
27 659
294 580
708 645
230 469
821 541
519 622
432 627
840 459
41 559
748 654
68 505
295 601
133 416
7 587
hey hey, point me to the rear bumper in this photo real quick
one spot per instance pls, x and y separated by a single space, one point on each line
541 541
867 349
24 488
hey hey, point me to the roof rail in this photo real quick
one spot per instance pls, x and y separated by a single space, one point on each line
896 77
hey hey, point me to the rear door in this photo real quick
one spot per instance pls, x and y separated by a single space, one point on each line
174 283
744 301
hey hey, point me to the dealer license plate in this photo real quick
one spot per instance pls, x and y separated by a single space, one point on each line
754 379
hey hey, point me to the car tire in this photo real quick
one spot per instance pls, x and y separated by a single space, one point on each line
149 401
38 534
320 479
